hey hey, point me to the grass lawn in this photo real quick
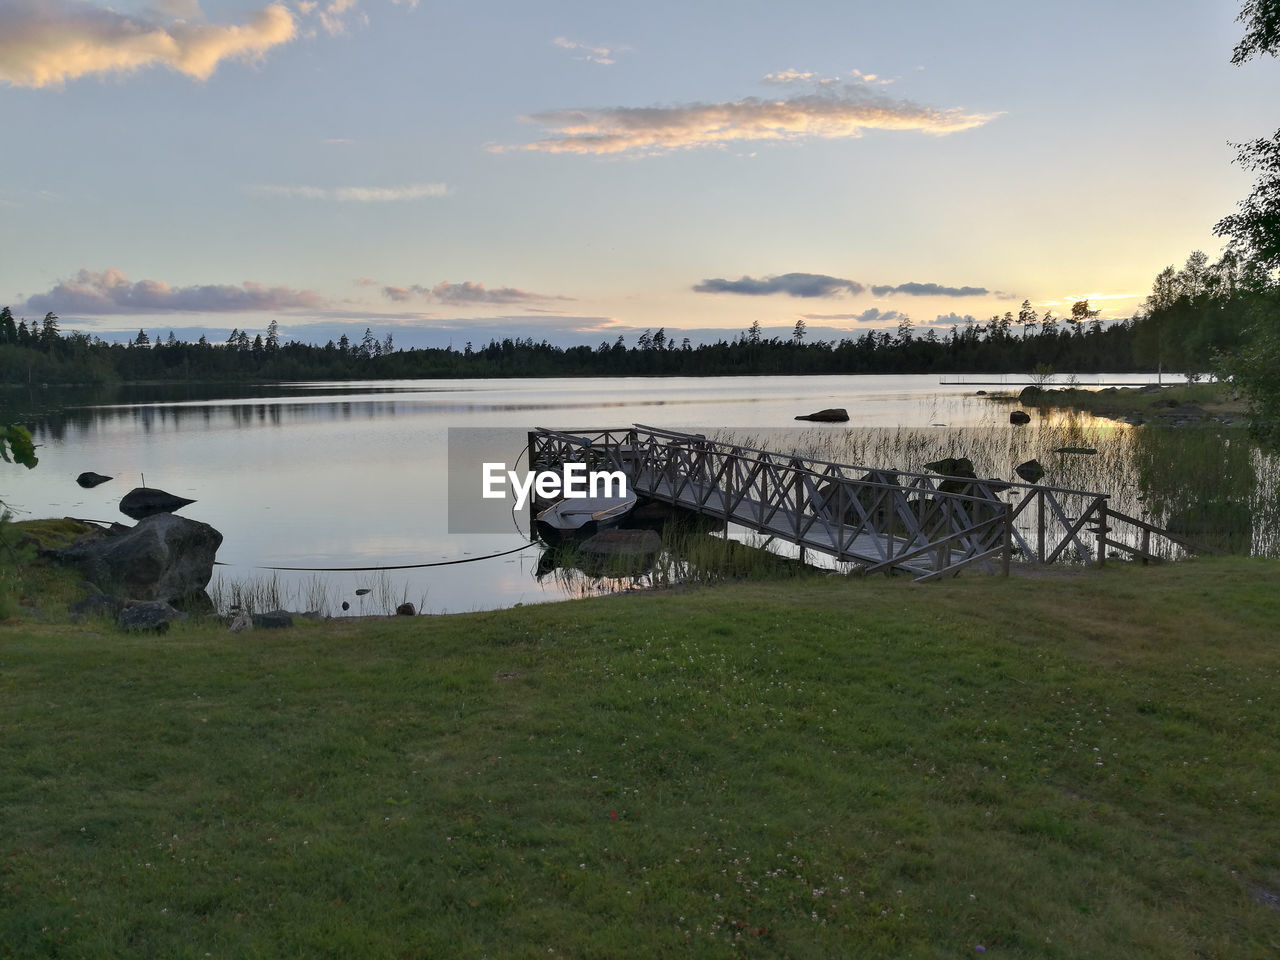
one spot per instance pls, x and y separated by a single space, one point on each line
1081 765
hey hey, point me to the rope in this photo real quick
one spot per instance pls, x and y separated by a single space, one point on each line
402 566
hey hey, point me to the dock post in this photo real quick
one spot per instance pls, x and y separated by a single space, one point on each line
1007 555
1040 495
1102 532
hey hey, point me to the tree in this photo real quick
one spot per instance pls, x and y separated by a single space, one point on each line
798 334
1254 233
273 336
1026 317
753 333
49 330
1261 19
142 340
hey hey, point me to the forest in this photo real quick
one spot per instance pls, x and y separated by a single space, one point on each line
41 352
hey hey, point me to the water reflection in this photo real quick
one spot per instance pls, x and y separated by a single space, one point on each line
325 474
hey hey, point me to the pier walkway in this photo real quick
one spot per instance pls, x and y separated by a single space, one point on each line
923 524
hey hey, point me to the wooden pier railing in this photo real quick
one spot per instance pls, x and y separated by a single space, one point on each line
928 525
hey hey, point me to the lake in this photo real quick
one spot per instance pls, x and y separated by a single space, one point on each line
353 474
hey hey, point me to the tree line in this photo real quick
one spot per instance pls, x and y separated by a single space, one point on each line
1008 343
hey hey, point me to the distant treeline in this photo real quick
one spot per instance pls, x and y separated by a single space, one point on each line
43 353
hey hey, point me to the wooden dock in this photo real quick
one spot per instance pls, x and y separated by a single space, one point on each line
923 524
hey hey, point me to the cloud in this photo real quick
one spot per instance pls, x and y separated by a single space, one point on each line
48 42
788 76
466 293
828 113
332 15
870 315
110 291
929 290
794 284
412 191
601 55
783 77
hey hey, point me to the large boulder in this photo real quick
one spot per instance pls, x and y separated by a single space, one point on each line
1032 471
830 415
163 557
142 502
1030 395
89 479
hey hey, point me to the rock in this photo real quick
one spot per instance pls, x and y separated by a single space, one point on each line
153 615
960 477
622 543
981 393
90 479
1032 471
363 591
953 467
1030 395
1018 418
142 502
241 623
164 557
406 610
96 604
273 620
830 415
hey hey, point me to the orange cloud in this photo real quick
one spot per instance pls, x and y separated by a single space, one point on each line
828 115
48 42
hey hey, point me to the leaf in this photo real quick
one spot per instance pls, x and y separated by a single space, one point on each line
16 446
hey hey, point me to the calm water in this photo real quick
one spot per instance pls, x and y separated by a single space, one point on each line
350 474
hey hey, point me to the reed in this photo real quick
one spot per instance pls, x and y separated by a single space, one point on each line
1208 481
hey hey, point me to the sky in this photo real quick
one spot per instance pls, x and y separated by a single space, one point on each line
572 171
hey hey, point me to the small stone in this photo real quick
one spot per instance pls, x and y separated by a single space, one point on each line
406 610
155 615
241 623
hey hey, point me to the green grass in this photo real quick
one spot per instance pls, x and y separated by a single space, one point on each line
1081 765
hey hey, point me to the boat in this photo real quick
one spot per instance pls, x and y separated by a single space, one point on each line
576 517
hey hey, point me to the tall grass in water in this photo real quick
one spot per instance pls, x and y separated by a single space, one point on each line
315 594
1209 483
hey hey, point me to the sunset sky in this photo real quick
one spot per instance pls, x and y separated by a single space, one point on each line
448 172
